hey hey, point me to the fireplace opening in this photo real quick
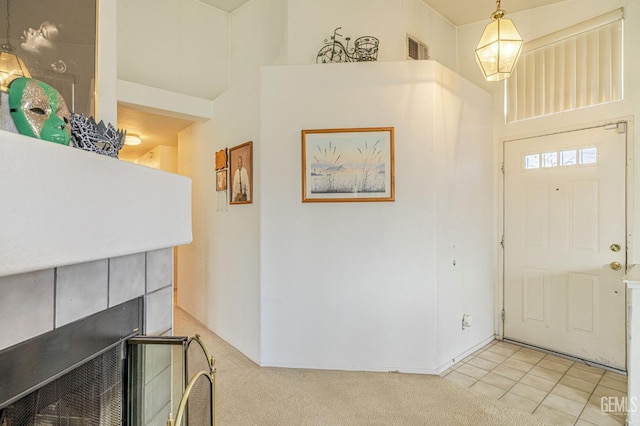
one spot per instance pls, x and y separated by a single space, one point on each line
100 371
72 375
91 394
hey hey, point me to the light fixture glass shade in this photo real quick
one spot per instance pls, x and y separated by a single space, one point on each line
11 67
499 49
132 139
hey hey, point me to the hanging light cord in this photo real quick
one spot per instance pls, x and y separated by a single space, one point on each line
7 45
499 13
8 22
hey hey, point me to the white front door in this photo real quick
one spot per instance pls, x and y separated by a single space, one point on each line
565 247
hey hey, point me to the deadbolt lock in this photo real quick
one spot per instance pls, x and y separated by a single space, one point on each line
615 247
616 266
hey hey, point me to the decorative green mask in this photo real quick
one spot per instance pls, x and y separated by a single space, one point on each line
39 111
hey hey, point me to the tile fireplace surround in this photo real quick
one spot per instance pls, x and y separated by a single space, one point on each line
34 303
80 233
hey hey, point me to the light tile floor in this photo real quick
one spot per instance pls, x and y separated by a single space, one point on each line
557 389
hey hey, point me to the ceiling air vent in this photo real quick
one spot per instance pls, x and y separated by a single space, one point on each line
416 49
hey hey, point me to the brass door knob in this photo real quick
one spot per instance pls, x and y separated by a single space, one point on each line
616 266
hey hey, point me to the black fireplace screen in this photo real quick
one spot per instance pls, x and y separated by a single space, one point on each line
90 395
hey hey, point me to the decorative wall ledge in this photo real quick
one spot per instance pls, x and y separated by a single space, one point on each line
61 206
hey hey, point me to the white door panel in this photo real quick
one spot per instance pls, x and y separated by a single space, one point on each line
564 206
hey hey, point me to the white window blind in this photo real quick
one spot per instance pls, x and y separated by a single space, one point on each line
573 68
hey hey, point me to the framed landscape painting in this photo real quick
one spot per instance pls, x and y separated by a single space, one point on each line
341 165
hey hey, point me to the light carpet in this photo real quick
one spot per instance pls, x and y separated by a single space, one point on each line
248 394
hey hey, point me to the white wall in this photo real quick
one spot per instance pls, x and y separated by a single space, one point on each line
160 157
465 236
177 45
258 36
312 21
345 285
431 28
192 48
219 272
163 102
354 285
348 285
274 32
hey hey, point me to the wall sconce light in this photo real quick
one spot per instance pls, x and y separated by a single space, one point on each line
11 66
499 47
133 139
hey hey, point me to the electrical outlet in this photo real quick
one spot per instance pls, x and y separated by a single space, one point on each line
466 321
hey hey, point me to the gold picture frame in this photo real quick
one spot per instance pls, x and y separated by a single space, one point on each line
221 180
221 159
347 165
241 174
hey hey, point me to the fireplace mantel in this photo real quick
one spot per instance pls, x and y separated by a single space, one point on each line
61 206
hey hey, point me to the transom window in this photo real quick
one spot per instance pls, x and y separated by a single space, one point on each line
564 158
573 68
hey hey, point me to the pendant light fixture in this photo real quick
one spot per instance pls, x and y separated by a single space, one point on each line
499 47
11 66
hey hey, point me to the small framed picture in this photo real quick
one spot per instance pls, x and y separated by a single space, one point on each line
241 173
348 165
221 180
221 159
